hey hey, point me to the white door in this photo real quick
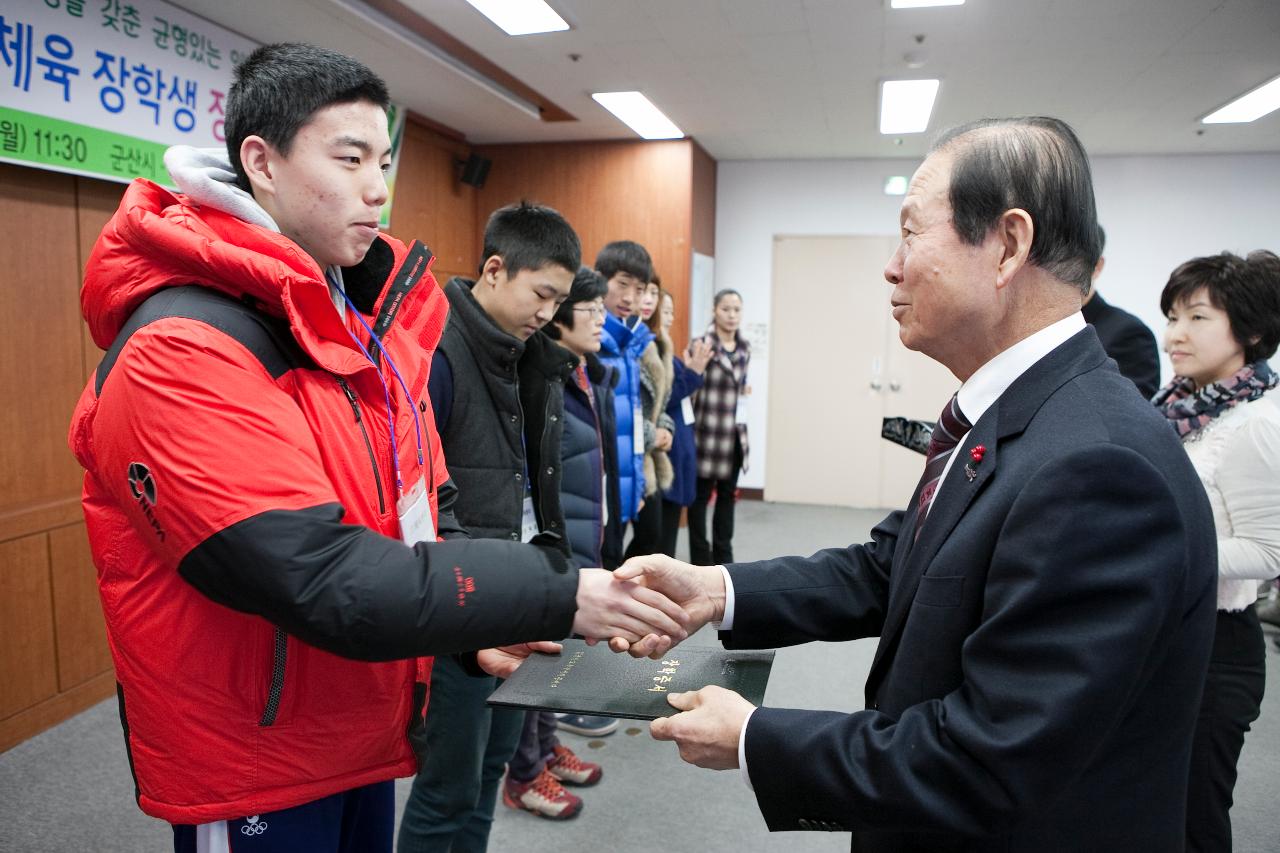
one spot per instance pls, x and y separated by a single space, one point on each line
837 369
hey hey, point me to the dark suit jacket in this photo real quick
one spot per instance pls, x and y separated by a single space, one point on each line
1127 340
1043 644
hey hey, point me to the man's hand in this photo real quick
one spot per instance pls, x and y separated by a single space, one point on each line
504 660
699 590
610 608
708 730
662 439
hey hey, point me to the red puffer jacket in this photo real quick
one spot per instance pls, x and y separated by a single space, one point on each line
263 616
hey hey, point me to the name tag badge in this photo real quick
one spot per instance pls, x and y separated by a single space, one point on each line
414 511
686 410
637 431
741 415
528 521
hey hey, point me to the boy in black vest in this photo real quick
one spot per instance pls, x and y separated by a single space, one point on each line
497 390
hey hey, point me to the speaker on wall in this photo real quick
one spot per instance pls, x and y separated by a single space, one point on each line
475 169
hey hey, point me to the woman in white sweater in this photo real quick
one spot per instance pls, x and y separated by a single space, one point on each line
1223 324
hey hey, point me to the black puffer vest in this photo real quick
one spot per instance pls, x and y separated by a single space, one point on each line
508 399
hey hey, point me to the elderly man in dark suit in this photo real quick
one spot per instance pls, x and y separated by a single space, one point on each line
1044 605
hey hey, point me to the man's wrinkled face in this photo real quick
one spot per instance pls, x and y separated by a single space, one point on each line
327 193
943 288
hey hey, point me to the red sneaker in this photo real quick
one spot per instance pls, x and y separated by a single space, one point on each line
544 796
572 770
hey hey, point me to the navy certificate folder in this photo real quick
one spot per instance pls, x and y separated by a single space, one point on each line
586 679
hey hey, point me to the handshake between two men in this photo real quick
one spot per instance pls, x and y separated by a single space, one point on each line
644 608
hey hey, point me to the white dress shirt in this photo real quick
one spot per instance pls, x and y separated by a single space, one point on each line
975 396
1237 456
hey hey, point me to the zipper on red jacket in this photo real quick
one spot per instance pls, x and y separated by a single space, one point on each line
279 659
373 460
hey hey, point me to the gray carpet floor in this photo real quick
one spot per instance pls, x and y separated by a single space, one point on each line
69 788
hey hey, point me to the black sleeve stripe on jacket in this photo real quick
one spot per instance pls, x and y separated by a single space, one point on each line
353 592
268 338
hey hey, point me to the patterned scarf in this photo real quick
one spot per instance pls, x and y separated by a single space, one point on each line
1189 410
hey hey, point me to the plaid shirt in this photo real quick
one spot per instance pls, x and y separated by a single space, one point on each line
715 409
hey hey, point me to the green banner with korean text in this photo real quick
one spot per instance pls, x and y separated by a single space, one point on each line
63 146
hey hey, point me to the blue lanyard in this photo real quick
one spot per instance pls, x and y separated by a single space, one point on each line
413 407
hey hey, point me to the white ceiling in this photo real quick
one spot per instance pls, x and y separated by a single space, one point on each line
786 79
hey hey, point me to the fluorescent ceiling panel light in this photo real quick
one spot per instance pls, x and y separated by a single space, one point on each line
1248 107
895 185
905 105
638 113
921 4
521 17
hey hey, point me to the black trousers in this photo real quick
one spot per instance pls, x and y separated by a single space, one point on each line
720 550
670 526
1232 700
646 528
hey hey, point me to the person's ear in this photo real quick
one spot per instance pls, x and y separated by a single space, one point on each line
1013 234
493 270
257 158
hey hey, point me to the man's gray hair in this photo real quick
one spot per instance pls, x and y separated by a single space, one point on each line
1034 163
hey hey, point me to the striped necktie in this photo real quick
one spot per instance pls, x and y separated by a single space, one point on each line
951 427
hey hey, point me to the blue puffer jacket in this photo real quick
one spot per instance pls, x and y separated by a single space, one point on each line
684 452
620 349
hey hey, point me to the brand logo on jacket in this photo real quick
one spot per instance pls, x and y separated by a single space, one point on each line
465 585
143 487
253 826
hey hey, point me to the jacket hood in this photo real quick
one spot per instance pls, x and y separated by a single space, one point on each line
206 177
157 239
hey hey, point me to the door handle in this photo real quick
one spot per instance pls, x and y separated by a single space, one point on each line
895 385
876 385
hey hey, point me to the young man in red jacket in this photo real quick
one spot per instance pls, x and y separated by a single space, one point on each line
264 487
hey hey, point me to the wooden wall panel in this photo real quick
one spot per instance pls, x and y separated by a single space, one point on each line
703 216
608 191
28 658
55 660
77 613
432 205
41 367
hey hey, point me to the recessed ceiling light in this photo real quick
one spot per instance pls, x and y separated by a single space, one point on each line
920 4
905 105
1249 106
895 185
638 113
521 17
